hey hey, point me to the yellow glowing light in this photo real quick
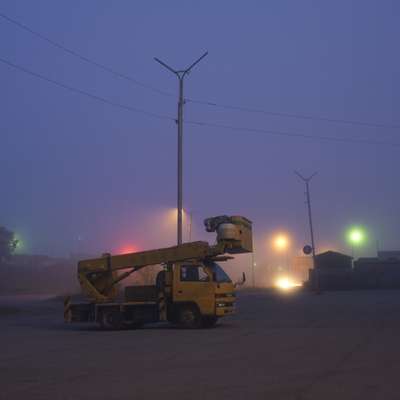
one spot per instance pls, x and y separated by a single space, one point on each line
281 242
173 214
286 283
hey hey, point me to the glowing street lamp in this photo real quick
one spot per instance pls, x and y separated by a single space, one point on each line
356 236
16 243
281 242
187 219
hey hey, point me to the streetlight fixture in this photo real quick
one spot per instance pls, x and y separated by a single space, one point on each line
356 236
186 216
281 243
180 74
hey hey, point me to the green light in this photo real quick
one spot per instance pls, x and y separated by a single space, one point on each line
356 236
17 244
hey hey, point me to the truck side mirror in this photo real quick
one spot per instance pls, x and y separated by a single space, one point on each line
242 281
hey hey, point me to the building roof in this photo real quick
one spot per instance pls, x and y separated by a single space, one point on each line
389 254
332 254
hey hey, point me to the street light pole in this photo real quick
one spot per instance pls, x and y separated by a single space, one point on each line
180 74
310 221
308 202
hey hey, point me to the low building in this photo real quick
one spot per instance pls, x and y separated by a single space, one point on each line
332 260
377 272
333 272
389 255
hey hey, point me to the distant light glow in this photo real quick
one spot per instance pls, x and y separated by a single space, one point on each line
173 214
356 236
18 243
281 242
128 249
286 283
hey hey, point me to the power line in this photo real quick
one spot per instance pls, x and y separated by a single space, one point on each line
198 123
83 92
195 101
84 58
292 134
296 116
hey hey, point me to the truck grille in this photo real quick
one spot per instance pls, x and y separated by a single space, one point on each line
225 295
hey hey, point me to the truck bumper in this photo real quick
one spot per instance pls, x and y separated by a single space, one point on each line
225 310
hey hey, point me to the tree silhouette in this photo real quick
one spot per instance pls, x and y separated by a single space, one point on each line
8 243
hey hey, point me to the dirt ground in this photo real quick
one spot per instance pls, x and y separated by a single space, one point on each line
338 345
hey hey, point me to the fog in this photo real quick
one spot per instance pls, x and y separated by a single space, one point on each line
83 177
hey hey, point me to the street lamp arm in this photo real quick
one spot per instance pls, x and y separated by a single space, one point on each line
195 63
304 178
166 66
300 176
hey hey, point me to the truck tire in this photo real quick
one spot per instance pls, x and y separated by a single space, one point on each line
209 322
189 317
111 319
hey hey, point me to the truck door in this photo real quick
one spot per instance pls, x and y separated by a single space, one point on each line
193 284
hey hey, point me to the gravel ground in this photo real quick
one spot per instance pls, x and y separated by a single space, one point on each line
338 345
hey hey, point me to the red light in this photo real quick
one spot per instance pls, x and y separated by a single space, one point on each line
127 249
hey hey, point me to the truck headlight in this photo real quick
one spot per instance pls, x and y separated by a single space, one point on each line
225 304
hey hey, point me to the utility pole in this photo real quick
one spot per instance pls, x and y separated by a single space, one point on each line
308 202
180 74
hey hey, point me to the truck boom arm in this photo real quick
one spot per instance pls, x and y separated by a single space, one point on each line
98 276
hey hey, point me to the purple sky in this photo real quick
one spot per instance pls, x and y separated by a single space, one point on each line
72 167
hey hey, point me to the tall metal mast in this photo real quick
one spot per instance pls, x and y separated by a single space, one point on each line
180 74
308 202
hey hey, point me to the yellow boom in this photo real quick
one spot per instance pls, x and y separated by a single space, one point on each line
98 276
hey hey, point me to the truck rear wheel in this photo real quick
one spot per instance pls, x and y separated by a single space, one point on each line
189 317
111 319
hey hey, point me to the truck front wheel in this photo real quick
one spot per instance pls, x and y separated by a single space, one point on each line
189 317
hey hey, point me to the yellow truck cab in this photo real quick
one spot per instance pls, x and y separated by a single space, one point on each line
191 290
204 286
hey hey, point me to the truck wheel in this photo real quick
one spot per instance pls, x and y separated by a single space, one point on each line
111 320
189 317
209 322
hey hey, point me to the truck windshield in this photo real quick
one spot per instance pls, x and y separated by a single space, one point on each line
218 273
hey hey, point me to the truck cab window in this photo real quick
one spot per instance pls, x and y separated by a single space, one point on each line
193 273
219 275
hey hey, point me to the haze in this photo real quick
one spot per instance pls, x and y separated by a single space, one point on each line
79 175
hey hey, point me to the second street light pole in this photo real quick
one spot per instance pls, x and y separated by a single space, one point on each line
308 201
180 75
